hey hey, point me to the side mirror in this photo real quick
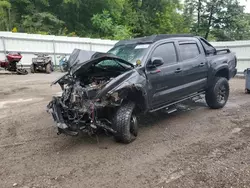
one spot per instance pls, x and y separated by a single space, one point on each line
156 62
210 51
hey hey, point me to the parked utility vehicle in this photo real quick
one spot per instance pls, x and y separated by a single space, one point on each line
42 63
12 63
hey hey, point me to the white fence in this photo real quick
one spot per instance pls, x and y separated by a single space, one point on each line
241 49
29 44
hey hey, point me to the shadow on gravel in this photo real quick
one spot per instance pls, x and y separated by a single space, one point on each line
104 140
13 91
154 118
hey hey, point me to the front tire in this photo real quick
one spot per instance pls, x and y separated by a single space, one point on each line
125 123
48 68
218 93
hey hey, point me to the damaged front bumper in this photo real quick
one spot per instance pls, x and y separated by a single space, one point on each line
55 108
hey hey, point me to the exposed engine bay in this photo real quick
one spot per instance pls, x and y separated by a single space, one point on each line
78 108
85 104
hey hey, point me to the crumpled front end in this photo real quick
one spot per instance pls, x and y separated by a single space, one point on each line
92 92
77 110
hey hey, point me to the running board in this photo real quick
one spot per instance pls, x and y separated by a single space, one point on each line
179 101
171 110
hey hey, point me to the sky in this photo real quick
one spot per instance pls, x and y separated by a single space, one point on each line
247 4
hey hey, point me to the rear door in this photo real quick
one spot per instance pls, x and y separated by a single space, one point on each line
165 79
194 66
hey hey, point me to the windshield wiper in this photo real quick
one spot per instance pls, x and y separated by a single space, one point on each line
120 64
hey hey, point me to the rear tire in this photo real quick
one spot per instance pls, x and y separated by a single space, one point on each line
48 68
32 68
217 95
125 123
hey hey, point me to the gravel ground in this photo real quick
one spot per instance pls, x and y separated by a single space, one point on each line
198 147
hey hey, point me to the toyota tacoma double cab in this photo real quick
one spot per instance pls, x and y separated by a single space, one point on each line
107 91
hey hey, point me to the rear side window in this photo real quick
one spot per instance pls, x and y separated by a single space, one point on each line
189 51
167 52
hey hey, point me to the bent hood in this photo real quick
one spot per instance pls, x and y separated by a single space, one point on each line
82 59
78 56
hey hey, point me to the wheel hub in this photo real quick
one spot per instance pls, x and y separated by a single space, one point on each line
222 94
133 125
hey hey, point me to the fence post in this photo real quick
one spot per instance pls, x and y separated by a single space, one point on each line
90 46
4 47
54 51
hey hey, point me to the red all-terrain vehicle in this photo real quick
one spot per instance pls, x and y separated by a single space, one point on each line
10 63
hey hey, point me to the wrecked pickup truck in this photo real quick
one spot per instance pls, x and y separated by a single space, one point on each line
106 91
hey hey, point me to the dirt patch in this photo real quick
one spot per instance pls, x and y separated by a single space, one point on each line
194 147
14 90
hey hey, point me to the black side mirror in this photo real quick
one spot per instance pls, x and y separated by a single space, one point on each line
156 62
210 51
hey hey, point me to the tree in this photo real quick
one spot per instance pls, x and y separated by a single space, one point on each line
43 22
120 19
220 19
5 7
231 22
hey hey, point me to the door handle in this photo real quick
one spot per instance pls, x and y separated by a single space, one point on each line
155 71
178 70
201 64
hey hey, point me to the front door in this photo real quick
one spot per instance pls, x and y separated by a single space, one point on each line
164 80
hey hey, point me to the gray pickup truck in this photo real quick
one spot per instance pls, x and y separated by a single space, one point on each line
107 91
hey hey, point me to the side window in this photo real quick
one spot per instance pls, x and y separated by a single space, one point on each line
167 52
189 51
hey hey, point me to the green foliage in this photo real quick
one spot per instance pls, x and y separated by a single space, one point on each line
217 19
5 4
103 23
107 27
4 14
41 22
122 19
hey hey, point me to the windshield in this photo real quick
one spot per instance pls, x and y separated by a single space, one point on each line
130 52
113 64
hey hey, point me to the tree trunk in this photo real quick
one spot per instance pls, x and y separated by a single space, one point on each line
199 17
9 19
209 21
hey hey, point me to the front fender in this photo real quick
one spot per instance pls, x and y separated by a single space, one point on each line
133 87
127 78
